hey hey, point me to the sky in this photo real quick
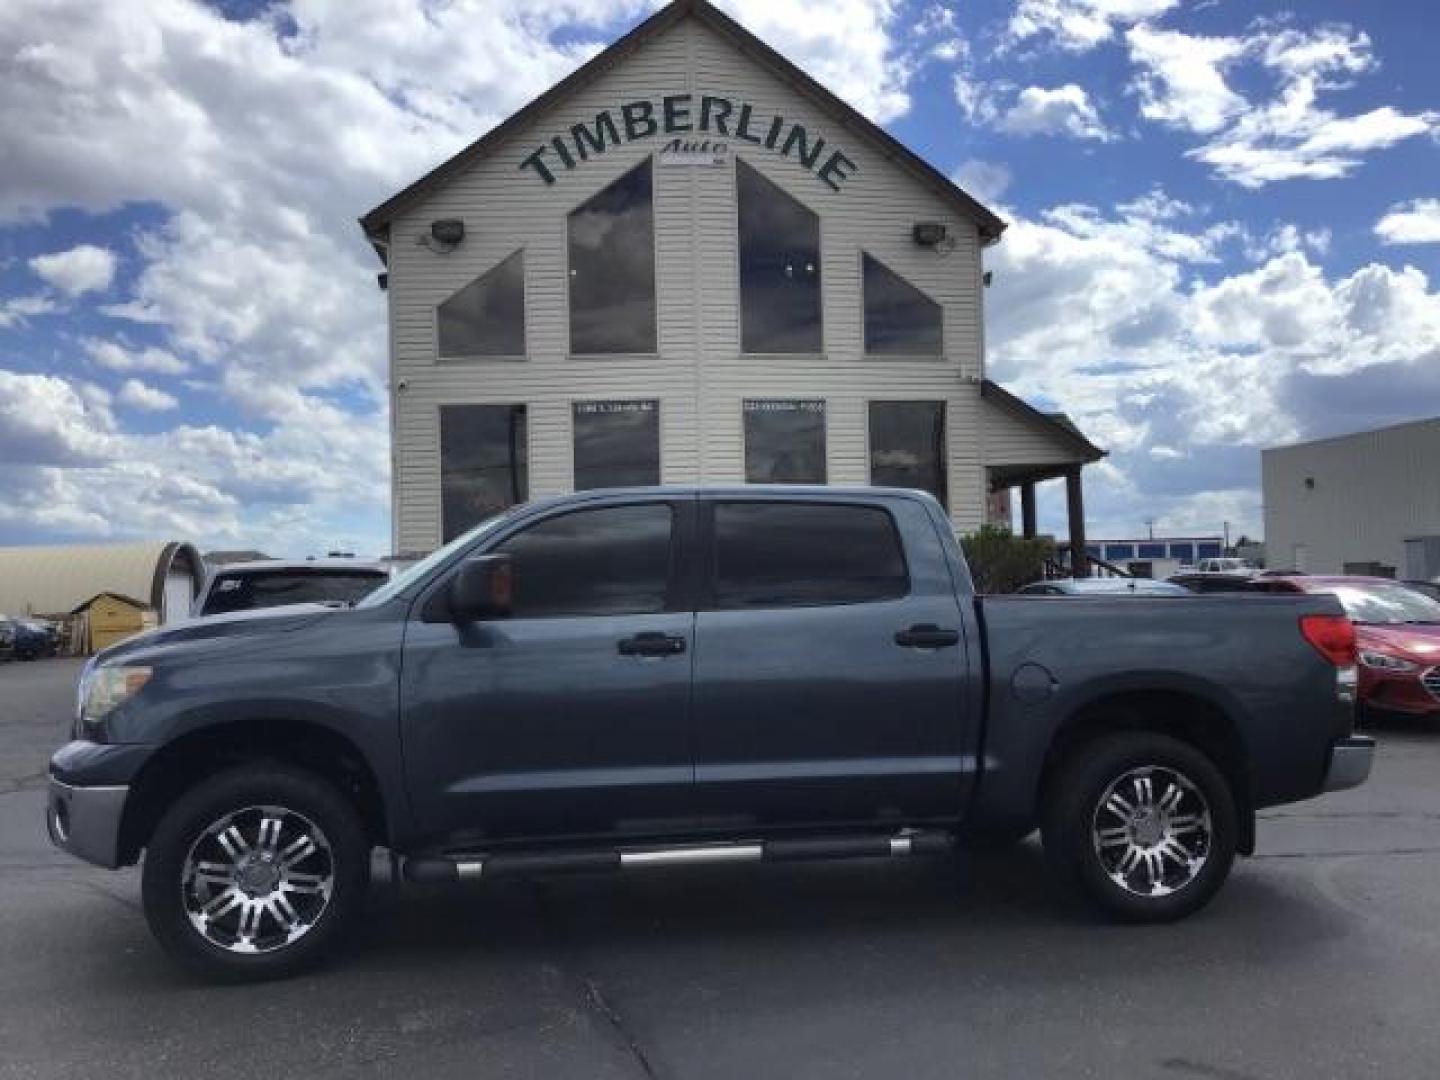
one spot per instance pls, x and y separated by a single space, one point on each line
1224 233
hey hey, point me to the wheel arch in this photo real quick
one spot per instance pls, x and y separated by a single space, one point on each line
205 751
1184 713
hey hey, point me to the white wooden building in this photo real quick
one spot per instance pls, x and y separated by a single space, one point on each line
689 262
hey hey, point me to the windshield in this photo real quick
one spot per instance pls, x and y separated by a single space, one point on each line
403 580
1385 604
275 588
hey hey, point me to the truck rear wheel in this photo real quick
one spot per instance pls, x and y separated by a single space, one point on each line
255 872
1143 825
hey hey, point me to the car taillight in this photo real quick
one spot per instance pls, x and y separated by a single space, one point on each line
1333 637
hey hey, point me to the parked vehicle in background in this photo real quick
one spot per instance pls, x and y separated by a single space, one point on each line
1102 587
1397 638
1225 566
1427 588
28 639
276 582
1215 583
661 676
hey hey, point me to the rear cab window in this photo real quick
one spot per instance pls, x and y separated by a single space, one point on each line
255 589
801 554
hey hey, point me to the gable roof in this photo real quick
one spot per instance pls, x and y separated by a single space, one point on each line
986 221
1057 425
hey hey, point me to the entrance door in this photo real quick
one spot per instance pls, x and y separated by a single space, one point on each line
830 666
569 719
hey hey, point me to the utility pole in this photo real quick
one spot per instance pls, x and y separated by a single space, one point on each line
1150 527
1227 537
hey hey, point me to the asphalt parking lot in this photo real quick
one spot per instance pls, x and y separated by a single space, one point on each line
1318 960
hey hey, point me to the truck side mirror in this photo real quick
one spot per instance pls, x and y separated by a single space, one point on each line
482 588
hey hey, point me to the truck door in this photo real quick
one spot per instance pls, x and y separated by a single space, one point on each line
830 665
570 718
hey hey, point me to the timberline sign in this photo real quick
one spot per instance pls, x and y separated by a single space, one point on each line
701 129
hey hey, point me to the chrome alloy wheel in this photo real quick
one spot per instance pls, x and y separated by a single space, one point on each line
1152 831
257 879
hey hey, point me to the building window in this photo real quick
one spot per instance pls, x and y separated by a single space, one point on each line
614 560
907 446
487 317
1183 552
779 268
617 444
784 442
612 268
1152 551
900 320
483 463
774 554
1114 552
1212 551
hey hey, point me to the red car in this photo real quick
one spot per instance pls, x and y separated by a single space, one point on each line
1397 630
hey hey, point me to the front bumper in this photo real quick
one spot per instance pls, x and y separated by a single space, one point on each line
1350 762
85 821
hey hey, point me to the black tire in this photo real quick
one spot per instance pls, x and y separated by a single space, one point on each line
314 802
1073 814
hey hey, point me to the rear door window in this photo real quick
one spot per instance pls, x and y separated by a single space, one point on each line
246 592
776 554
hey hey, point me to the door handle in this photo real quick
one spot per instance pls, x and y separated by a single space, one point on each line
652 643
927 636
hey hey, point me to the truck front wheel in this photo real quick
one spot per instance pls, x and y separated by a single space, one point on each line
1141 824
255 872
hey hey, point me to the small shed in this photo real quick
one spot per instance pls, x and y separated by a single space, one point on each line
112 617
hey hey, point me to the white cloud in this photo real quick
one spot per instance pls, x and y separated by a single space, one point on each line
1064 110
299 489
15 310
84 268
986 180
1120 319
1079 25
138 395
1181 80
119 357
1413 222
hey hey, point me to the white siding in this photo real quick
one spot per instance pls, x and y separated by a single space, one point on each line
1371 492
699 377
1007 440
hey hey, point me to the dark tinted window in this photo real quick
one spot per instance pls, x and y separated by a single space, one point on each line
779 268
612 268
617 444
785 442
899 319
801 554
483 463
487 317
907 445
609 561
262 589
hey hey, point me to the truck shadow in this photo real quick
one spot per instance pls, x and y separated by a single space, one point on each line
924 917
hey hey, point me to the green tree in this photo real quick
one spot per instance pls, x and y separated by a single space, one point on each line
1001 562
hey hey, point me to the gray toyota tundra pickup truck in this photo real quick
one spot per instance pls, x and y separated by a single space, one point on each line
663 676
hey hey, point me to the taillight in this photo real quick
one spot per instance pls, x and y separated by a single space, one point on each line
1333 637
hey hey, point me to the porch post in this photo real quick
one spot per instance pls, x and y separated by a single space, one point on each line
1027 510
1075 510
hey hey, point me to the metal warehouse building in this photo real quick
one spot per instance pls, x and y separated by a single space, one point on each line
690 262
1366 503
163 576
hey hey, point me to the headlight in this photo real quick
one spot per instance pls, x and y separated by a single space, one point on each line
102 689
1382 662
